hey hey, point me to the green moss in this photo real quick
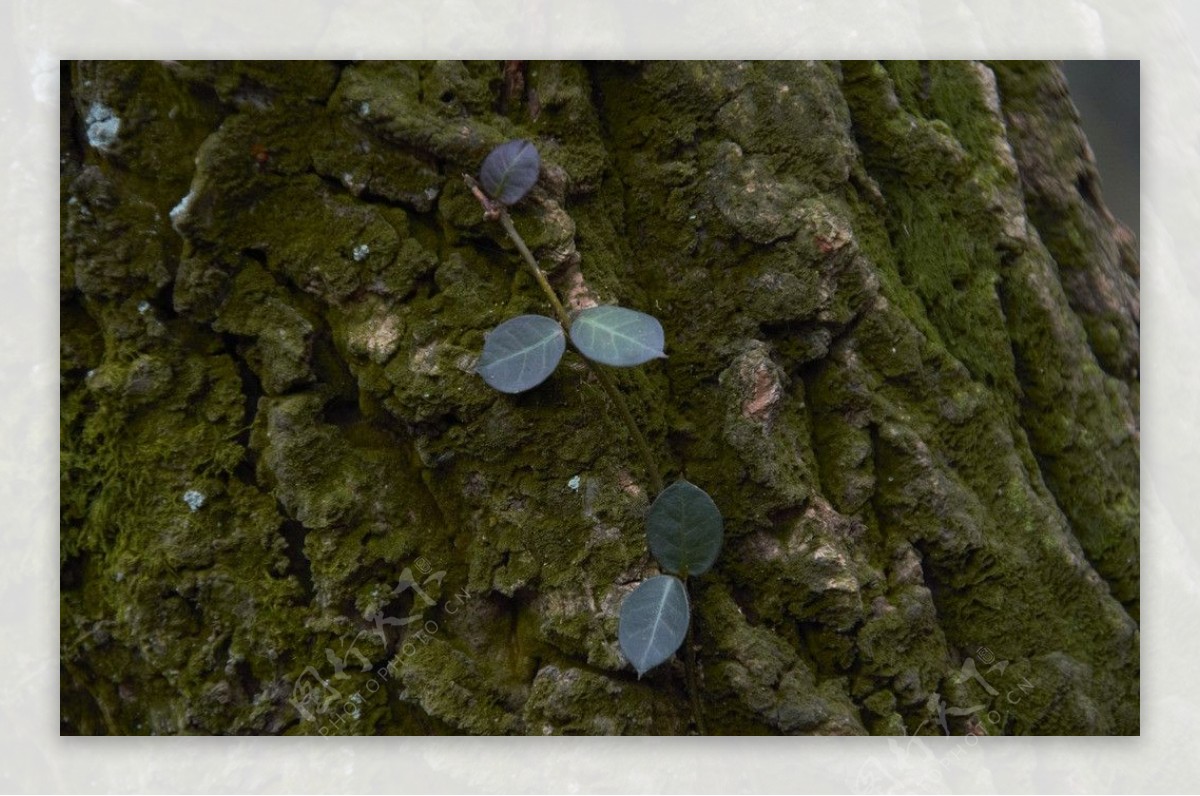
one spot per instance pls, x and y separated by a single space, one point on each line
942 253
163 117
577 702
760 678
839 378
446 684
99 209
154 557
950 92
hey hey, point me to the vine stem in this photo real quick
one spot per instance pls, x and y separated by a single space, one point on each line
495 211
602 376
689 671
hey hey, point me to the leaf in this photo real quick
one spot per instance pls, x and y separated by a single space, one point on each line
510 170
521 353
654 621
685 529
617 336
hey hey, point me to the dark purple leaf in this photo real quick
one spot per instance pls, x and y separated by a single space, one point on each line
521 353
510 171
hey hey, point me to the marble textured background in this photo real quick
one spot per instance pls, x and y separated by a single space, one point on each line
37 34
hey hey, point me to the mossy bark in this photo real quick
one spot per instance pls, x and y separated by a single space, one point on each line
903 359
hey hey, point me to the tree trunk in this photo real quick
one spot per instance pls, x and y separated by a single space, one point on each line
903 359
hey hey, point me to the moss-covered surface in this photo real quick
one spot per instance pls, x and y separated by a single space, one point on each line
901 365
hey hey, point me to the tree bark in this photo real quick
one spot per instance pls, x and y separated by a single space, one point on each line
903 359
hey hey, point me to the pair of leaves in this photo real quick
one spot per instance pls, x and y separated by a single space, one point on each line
685 531
522 352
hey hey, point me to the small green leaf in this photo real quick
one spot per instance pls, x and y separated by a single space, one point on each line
521 353
654 621
617 336
510 170
685 529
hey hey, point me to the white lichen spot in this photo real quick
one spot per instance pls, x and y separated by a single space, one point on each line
180 211
102 126
194 499
360 252
573 484
353 184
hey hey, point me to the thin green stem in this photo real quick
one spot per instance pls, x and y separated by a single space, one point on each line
602 376
563 316
639 441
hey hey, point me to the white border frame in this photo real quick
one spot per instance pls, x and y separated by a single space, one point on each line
39 32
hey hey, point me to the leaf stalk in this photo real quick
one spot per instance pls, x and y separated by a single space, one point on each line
602 375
